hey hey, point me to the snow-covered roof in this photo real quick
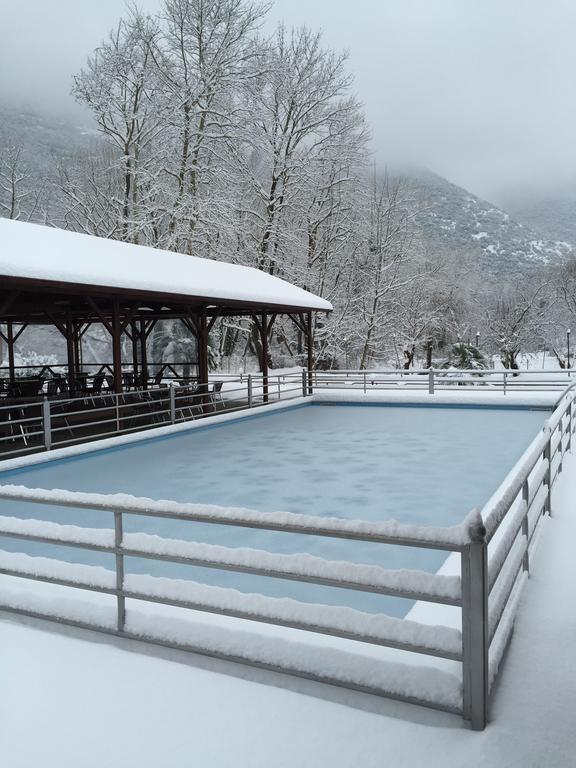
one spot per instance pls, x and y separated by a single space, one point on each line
58 256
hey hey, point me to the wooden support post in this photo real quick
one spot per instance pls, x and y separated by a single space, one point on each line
77 337
134 339
264 340
143 353
116 347
70 355
10 343
310 350
203 368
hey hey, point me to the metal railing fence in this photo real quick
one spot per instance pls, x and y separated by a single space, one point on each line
494 550
433 380
47 423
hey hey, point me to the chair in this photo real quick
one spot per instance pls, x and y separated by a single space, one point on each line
188 409
217 394
53 387
96 389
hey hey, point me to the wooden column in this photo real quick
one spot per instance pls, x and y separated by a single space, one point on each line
264 341
134 339
143 352
10 343
116 346
203 349
77 334
70 354
310 350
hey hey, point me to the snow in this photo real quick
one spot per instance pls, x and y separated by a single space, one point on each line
349 621
45 253
456 535
48 568
99 537
370 577
70 699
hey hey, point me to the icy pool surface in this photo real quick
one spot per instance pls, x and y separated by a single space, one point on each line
413 464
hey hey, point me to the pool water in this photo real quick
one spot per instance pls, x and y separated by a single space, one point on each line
413 464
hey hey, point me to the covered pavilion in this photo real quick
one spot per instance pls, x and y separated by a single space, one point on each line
71 281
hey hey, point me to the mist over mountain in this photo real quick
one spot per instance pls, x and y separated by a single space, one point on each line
451 218
44 138
552 216
502 244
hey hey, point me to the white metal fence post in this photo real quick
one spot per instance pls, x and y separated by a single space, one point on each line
172 404
475 631
47 424
548 475
120 600
525 527
505 381
431 381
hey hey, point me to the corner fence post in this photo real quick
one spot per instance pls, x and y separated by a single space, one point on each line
475 631
120 600
47 424
172 404
431 381
249 388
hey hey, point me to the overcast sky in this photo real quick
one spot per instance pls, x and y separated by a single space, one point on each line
481 91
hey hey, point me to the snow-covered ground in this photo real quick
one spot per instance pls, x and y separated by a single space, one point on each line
72 698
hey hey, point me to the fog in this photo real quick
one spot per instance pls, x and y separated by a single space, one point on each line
481 91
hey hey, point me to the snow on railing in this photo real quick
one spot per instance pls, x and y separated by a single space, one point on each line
493 546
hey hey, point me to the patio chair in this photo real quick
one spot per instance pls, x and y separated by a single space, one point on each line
97 384
192 405
216 394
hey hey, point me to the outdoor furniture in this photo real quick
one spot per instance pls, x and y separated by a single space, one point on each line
25 388
217 394
128 380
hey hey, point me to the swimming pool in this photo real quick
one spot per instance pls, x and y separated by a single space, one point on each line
417 465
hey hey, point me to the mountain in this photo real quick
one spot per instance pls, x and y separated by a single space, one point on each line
449 218
44 139
555 217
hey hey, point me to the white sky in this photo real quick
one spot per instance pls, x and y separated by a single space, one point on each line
482 91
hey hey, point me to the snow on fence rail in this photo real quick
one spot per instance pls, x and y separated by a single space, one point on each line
494 550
